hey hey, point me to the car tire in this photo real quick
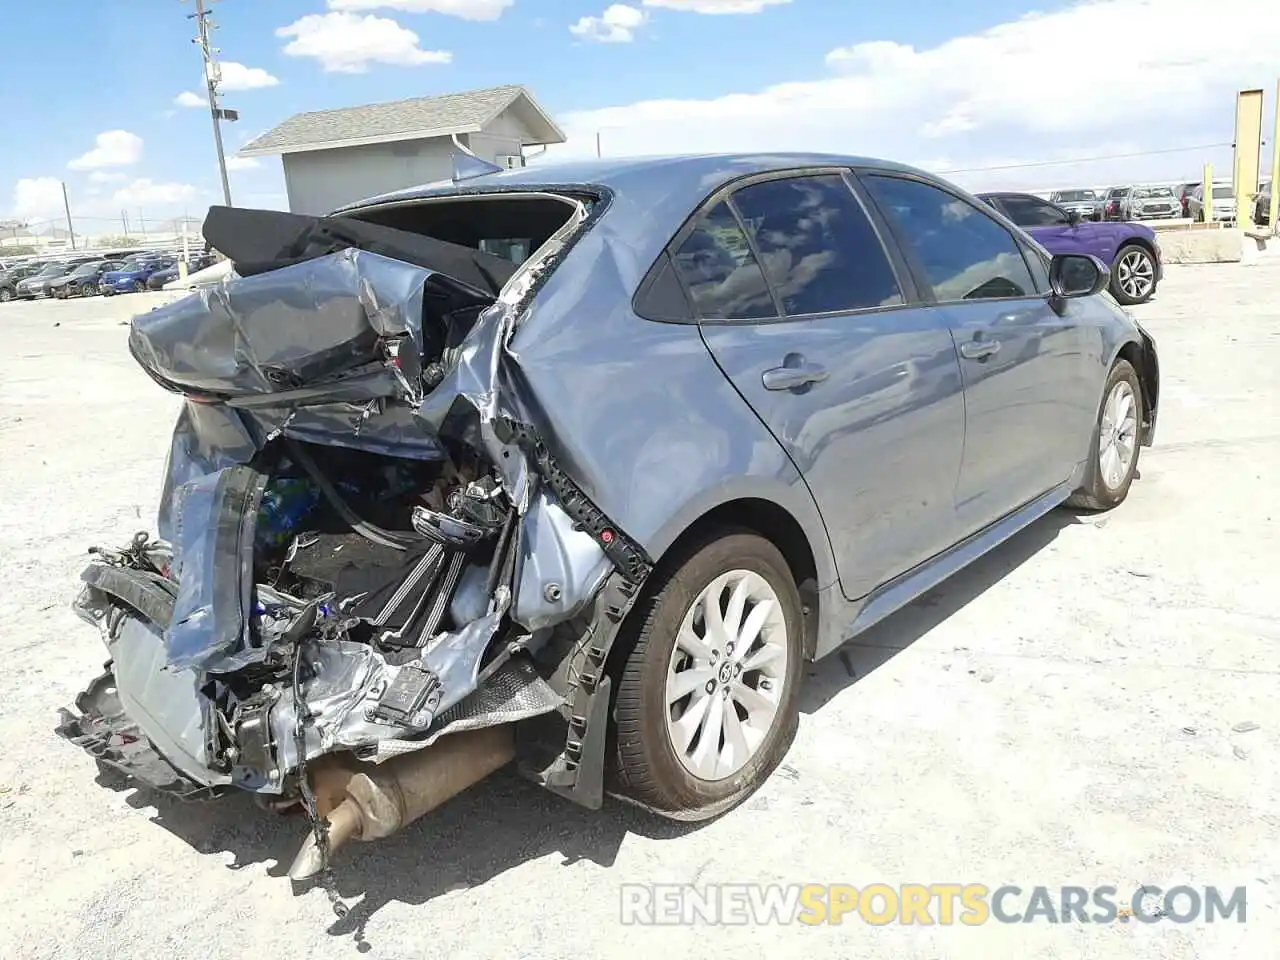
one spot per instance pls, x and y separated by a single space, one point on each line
1117 431
1134 267
139 286
5 295
691 754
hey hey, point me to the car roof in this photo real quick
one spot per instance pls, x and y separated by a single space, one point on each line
705 172
654 195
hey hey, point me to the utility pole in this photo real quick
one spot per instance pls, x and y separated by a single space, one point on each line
597 143
66 206
212 76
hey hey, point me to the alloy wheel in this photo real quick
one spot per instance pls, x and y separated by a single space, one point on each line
1118 435
1136 274
726 675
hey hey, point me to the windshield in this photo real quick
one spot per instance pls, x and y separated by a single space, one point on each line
53 270
1223 193
131 266
1118 192
1151 193
85 269
1075 196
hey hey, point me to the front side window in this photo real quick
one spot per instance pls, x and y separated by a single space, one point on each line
964 253
819 249
721 274
1030 212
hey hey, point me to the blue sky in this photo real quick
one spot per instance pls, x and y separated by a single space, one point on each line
934 82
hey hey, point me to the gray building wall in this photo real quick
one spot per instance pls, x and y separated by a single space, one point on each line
317 181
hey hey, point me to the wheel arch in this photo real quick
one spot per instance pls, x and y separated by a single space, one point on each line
811 564
1134 241
1141 355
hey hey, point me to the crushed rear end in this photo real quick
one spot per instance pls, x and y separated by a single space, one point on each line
372 583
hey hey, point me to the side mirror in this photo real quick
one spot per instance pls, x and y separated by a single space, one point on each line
1076 275
1073 217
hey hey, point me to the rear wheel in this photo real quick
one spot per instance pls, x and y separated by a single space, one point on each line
1133 279
139 286
1113 458
5 294
706 704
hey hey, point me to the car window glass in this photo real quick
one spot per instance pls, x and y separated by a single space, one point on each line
965 254
722 276
818 247
1030 212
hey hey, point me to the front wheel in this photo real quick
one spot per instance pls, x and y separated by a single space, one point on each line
5 295
706 703
139 287
1133 279
1113 457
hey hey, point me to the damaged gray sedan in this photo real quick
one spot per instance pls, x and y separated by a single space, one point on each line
576 466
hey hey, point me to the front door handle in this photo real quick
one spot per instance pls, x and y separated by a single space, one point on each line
979 350
795 372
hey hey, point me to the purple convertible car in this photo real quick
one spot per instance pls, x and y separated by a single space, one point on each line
1129 249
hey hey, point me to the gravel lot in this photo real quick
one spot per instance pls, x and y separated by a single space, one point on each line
1061 713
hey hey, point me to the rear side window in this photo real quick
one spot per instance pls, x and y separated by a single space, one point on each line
965 254
819 249
719 271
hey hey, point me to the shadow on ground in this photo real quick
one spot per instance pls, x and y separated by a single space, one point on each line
506 821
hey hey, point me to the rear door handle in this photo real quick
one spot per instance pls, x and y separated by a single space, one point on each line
979 349
794 373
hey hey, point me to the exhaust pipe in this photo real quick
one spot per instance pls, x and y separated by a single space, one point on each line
376 801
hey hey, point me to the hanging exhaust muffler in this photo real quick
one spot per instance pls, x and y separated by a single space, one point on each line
376 801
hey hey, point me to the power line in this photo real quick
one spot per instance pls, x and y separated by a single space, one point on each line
1070 160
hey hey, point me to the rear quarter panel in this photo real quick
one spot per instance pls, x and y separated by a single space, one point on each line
639 413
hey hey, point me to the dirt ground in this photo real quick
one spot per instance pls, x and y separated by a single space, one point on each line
1094 703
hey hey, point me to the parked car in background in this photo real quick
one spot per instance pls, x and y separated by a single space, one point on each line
1151 203
1129 249
1087 203
11 277
1223 203
39 284
197 261
133 275
83 280
1183 193
1113 203
886 380
1262 206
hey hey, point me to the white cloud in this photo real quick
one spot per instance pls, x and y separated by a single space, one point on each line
999 93
617 24
102 176
188 99
144 192
236 76
243 163
715 6
464 9
114 148
348 43
36 198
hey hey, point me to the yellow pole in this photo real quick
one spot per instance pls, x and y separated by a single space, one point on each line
1206 194
1275 167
